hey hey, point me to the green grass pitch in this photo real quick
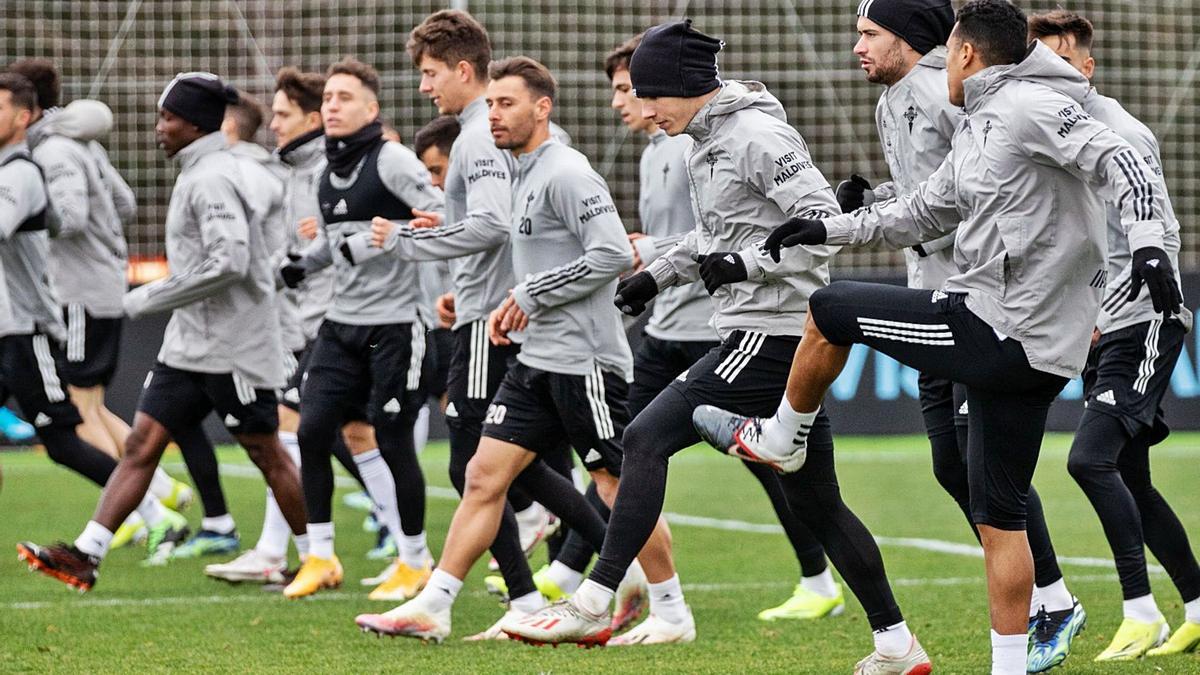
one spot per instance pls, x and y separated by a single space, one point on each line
175 619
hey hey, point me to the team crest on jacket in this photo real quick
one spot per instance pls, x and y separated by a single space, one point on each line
911 116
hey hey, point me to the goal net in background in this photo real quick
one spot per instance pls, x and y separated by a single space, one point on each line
124 52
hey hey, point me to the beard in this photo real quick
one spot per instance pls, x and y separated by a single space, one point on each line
889 69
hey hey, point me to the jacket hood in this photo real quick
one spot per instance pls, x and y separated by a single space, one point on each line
1040 65
81 120
734 95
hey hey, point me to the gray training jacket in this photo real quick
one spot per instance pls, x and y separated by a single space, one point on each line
88 255
916 121
681 313
303 308
749 172
1116 311
25 300
378 291
221 288
1022 178
568 247
474 235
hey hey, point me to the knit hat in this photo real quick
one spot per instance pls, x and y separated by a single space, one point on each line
199 98
675 59
923 24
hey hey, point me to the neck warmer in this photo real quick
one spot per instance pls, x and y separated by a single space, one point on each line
346 152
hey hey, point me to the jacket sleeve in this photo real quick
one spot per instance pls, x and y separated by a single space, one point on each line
66 186
677 266
318 254
486 224
1072 139
925 214
584 204
22 194
407 178
224 235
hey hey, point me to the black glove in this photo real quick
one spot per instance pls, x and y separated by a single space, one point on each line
1152 267
850 193
721 267
634 292
292 274
795 232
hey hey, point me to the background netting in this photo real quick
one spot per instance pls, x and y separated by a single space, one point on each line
123 52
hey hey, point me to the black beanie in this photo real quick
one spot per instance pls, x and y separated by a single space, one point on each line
199 98
674 59
923 24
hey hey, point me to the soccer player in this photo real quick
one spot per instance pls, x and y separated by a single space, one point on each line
679 332
1134 350
87 261
368 351
221 349
31 329
900 46
1015 322
569 379
748 169
432 145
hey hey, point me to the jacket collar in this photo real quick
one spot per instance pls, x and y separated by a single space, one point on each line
205 145
475 109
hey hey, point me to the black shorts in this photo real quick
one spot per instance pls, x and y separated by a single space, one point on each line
1128 372
746 374
936 334
30 370
181 399
369 373
657 363
435 371
477 367
538 410
93 347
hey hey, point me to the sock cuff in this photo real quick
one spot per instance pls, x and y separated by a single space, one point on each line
367 457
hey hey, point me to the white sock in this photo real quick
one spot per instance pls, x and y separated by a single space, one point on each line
1142 609
528 603
1009 654
440 591
666 601
1191 611
1035 603
151 510
94 539
302 546
414 551
779 432
531 517
381 486
822 584
593 598
161 484
421 429
320 540
1055 597
273 541
291 444
894 641
220 524
566 578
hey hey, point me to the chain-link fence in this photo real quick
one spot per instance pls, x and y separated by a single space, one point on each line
123 52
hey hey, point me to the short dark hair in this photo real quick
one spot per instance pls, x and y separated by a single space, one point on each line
619 57
24 95
996 28
1060 22
304 89
355 68
42 74
536 76
248 115
440 132
451 36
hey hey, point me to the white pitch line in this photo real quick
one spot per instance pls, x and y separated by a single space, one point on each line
728 525
342 595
